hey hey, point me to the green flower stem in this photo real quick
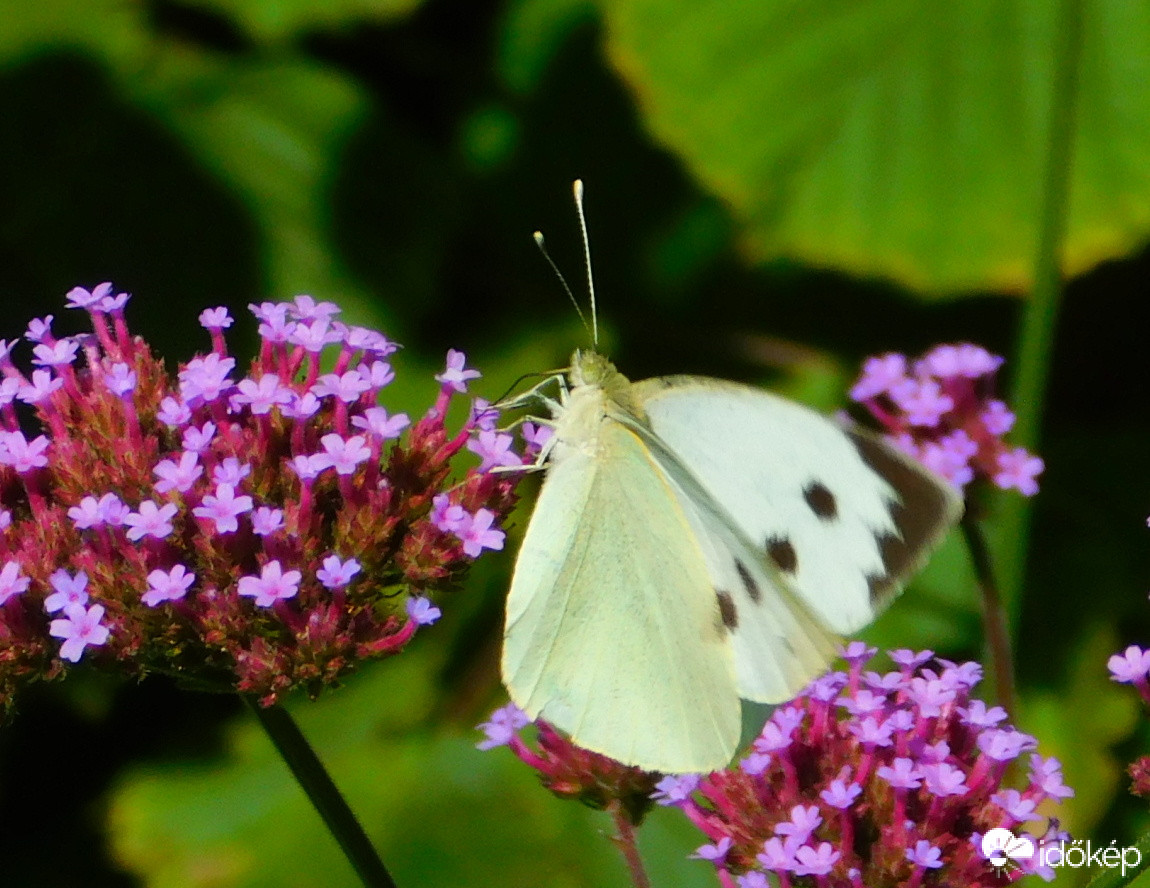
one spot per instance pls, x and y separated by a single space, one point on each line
994 617
625 839
1112 877
1041 312
311 775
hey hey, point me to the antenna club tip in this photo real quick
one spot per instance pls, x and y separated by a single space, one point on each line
577 187
537 236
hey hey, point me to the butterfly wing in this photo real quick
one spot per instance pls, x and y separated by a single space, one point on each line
613 632
843 515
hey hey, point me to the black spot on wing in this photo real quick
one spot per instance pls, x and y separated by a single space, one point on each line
921 514
753 590
727 609
783 554
821 501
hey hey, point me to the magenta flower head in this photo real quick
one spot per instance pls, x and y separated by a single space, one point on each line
257 532
873 779
941 410
570 771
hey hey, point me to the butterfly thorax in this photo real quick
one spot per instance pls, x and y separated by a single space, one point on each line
597 392
590 369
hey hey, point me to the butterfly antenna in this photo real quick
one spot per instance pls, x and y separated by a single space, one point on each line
555 268
578 189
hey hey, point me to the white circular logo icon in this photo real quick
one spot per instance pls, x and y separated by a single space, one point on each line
1000 846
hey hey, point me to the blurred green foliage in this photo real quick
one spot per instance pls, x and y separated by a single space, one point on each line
775 189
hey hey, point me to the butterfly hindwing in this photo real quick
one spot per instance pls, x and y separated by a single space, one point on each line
612 632
841 516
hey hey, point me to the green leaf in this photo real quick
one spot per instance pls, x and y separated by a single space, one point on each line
895 139
269 21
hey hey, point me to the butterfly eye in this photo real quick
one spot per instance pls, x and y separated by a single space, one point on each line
821 501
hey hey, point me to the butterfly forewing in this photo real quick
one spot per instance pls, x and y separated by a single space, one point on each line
841 517
612 633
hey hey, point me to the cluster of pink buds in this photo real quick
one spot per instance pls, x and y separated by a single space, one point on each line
941 410
256 533
570 771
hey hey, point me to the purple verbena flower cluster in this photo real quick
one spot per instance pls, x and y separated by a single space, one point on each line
872 779
940 409
258 533
570 771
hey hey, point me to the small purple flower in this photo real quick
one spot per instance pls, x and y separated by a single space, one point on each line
174 412
776 856
675 789
120 380
447 516
922 400
167 585
879 376
224 508
206 378
215 318
335 574
456 377
478 534
70 590
504 724
944 779
267 520
901 774
11 581
23 455
261 395
272 585
494 448
804 820
178 476
1018 469
422 611
715 853
1132 666
346 387
924 854
79 628
345 455
376 422
815 861
840 794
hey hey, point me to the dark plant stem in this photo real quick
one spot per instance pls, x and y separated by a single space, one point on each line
311 775
1040 316
625 839
995 620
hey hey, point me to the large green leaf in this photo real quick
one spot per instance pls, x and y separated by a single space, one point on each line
896 138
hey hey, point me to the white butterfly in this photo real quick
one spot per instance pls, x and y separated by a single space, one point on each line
697 541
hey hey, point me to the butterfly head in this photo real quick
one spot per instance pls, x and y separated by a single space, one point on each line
590 370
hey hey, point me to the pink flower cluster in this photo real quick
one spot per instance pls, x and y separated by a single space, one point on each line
941 410
258 533
872 779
